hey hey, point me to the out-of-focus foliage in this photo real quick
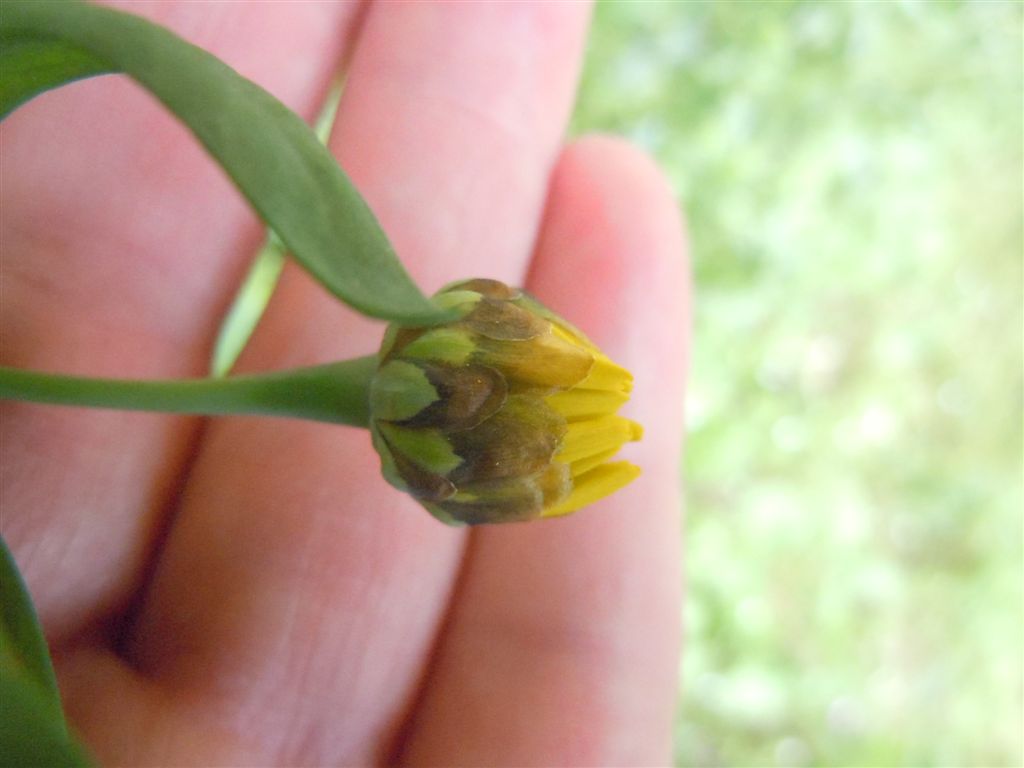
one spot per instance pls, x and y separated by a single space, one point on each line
852 177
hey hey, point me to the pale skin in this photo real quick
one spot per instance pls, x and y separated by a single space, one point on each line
249 591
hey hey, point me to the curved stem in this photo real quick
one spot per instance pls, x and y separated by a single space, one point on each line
335 392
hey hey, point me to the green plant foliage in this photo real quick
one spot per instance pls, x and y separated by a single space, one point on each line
30 737
23 651
274 158
31 65
254 293
32 728
248 306
336 393
851 176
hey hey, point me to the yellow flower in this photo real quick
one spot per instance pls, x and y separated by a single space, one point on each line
506 414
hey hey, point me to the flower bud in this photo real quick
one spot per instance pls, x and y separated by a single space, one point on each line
507 413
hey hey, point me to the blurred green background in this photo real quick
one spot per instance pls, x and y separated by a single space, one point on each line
852 177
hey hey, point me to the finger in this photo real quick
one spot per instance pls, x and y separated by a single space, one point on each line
561 648
105 700
290 555
122 243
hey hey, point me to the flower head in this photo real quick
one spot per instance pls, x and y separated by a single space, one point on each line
508 413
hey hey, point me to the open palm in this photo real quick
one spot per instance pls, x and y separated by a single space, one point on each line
249 591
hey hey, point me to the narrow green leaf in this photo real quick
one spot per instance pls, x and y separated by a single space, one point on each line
248 306
258 286
29 736
30 66
23 649
273 157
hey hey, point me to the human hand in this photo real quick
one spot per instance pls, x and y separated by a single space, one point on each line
250 591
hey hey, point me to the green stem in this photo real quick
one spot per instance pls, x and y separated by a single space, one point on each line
336 392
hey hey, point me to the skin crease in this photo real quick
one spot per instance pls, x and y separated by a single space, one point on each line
248 591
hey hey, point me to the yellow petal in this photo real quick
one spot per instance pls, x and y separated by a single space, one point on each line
594 485
606 375
592 436
576 404
580 466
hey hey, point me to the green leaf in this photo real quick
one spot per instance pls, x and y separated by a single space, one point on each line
250 302
254 293
29 736
22 647
272 156
30 66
